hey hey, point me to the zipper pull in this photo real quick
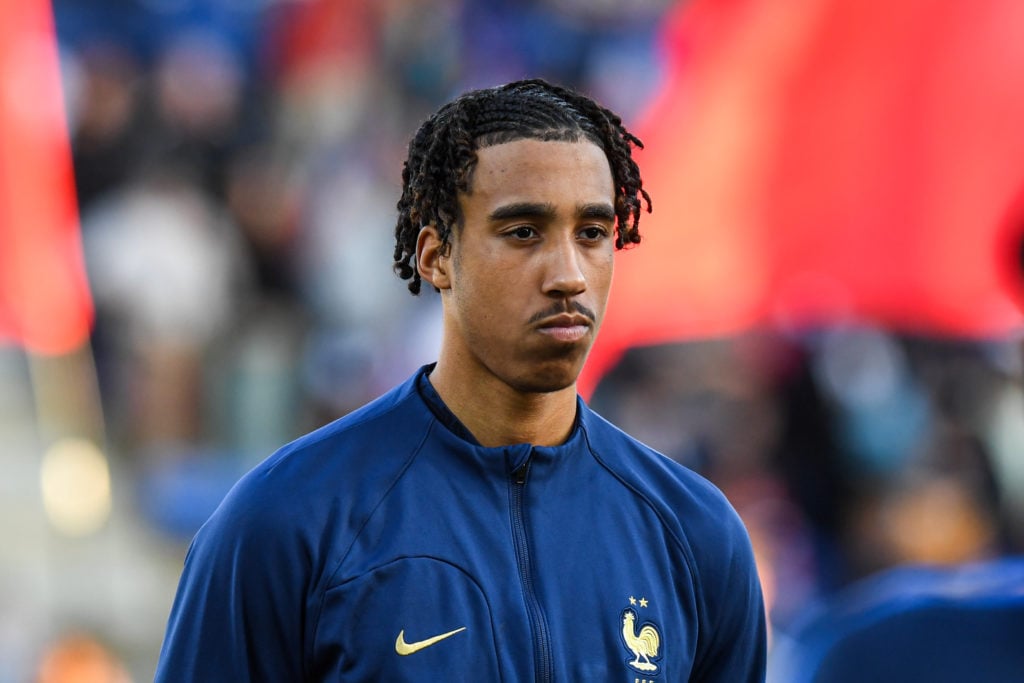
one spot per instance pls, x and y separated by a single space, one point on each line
520 473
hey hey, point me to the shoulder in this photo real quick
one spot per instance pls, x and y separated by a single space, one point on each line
381 434
690 503
712 538
950 623
329 477
895 594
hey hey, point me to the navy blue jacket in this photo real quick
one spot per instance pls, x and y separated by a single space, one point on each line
913 624
390 546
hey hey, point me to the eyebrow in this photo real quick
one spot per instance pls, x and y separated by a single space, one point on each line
544 210
600 211
522 210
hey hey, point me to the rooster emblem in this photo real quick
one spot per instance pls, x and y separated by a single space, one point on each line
644 645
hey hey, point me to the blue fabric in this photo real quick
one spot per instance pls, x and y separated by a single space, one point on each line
914 624
600 560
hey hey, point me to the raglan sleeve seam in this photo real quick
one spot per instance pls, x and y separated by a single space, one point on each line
331 575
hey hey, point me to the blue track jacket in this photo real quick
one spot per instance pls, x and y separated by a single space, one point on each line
390 546
913 624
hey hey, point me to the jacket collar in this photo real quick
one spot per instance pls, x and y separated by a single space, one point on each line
438 407
515 454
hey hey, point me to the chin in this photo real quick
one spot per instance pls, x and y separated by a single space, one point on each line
546 380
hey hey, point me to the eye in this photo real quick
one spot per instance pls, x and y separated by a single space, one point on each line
594 232
522 232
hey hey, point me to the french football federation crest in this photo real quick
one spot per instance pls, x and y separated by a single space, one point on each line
645 643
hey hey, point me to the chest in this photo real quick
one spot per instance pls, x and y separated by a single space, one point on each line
517 585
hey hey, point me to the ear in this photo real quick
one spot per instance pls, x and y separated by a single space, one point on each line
432 260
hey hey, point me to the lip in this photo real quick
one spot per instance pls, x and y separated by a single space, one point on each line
565 327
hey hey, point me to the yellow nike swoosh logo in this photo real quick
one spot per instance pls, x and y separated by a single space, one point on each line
404 648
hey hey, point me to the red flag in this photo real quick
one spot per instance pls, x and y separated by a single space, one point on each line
827 161
44 296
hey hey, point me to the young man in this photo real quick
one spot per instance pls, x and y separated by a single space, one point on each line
479 522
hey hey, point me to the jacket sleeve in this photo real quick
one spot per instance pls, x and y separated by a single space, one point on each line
239 612
733 647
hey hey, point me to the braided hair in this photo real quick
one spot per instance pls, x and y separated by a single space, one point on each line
442 156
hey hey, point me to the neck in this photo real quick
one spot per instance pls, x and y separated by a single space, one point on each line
499 415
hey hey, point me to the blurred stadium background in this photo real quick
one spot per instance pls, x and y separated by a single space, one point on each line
823 318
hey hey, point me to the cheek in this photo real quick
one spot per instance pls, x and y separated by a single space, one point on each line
601 271
599 283
497 277
483 295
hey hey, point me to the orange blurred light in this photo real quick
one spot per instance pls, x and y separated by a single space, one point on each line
80 659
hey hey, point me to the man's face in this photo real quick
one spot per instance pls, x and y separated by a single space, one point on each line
529 271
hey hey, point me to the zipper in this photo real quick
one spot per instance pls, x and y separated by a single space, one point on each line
538 622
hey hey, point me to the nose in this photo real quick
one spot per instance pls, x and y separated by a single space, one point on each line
564 275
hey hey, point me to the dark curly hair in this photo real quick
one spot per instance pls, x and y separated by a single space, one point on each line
442 156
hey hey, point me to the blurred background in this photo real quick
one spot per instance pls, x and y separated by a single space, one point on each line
197 200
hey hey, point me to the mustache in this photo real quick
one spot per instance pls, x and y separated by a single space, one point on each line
564 307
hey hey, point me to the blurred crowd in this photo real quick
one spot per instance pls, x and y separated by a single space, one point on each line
237 166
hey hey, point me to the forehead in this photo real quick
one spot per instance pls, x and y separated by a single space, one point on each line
539 170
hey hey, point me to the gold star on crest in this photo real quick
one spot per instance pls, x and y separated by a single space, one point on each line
643 602
632 600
